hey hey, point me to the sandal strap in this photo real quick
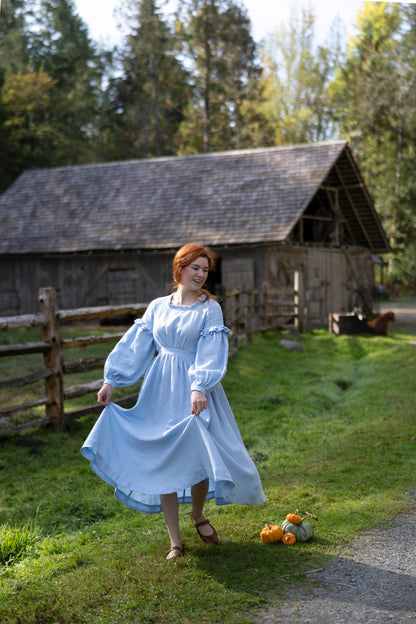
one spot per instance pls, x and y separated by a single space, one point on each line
198 524
208 539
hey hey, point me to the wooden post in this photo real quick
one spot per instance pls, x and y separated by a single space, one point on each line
299 300
237 318
53 359
250 313
266 306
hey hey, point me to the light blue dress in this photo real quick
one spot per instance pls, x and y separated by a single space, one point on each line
158 446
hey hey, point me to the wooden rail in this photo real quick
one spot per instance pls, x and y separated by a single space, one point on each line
254 311
52 347
246 312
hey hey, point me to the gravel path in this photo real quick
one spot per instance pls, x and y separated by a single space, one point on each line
372 581
405 315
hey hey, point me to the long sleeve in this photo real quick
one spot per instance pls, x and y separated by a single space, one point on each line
211 358
132 355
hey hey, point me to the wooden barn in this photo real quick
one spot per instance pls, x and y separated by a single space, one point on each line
105 233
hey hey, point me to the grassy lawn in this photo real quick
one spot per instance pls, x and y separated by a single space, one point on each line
332 429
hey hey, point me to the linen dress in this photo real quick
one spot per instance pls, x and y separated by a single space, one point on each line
159 446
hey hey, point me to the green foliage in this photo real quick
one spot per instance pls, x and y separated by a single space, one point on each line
374 106
225 74
49 89
145 104
27 99
296 77
331 429
59 43
13 39
13 59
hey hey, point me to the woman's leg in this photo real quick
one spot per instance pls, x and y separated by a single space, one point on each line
170 509
199 493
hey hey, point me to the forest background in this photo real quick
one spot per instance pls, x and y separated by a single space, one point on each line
196 81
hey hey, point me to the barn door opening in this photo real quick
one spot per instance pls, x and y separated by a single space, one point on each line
214 281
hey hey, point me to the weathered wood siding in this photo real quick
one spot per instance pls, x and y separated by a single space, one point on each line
82 280
333 278
330 277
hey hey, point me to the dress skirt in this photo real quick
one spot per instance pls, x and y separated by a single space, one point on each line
158 446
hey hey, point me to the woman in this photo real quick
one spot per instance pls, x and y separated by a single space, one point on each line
180 442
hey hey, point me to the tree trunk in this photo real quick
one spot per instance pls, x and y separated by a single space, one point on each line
207 103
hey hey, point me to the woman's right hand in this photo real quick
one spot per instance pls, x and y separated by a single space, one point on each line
104 394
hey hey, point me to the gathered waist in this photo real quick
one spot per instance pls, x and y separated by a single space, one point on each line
175 351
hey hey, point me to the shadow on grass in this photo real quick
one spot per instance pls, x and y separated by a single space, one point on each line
257 568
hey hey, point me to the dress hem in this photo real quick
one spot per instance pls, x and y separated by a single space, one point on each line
183 496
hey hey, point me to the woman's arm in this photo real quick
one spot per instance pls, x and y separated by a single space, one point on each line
211 357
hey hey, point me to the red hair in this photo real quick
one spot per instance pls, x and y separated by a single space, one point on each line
188 254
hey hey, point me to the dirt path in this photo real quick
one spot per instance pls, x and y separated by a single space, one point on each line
372 582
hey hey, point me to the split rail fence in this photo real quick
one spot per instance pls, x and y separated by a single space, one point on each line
246 312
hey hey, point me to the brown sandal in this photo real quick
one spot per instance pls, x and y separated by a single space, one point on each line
208 539
175 551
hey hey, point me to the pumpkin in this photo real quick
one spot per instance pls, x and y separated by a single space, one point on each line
293 518
302 531
289 539
271 533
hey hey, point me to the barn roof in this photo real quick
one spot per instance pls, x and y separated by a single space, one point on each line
223 198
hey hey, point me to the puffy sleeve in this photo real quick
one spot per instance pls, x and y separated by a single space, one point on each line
132 355
211 358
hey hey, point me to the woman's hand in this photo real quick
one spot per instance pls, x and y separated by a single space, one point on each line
104 394
198 402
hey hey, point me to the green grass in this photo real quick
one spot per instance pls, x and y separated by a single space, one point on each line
16 367
332 429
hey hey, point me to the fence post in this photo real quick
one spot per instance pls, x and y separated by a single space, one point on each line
299 299
266 306
250 313
53 359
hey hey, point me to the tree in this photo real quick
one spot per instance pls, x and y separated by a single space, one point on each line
59 44
375 107
145 104
223 60
13 40
13 58
28 102
296 79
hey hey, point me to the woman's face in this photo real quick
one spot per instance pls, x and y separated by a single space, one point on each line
194 276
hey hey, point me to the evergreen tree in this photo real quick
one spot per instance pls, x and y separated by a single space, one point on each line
13 59
60 46
144 105
223 59
13 41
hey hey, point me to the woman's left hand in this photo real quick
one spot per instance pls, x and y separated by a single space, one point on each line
198 402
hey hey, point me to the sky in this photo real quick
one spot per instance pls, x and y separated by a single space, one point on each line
265 16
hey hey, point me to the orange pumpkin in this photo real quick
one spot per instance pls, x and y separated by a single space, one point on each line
293 518
289 539
271 533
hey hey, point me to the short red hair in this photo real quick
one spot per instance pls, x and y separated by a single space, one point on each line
188 254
